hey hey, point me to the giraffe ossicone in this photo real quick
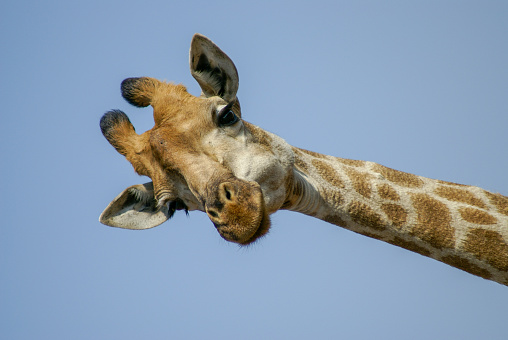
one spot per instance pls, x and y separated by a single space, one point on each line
202 155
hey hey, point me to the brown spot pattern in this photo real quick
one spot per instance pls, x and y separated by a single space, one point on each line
360 181
450 183
313 154
500 201
395 213
386 192
466 265
351 162
334 197
402 178
371 235
328 173
335 219
460 195
299 162
477 216
488 246
366 216
433 222
409 245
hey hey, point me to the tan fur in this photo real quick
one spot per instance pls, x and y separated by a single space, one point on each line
460 195
499 201
476 216
328 173
387 192
395 213
361 181
352 162
239 174
488 245
364 215
409 245
430 217
434 222
466 265
401 178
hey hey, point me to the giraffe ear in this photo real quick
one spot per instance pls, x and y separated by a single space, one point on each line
135 208
212 68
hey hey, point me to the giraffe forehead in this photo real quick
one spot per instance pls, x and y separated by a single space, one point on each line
181 112
186 124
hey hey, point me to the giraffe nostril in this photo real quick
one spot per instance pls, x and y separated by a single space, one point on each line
212 213
228 193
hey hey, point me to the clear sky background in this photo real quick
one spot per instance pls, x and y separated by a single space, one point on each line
419 86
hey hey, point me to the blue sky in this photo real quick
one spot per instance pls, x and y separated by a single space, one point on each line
419 86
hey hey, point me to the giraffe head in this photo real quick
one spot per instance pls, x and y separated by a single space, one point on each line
200 154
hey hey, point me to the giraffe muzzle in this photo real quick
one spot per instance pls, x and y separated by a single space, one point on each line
237 210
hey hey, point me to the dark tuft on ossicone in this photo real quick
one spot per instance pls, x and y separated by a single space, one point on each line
133 93
111 119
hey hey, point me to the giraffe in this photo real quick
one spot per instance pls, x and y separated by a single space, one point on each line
201 155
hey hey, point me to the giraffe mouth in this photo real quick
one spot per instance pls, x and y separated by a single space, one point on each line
229 233
261 231
237 210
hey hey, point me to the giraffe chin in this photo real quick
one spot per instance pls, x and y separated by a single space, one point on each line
243 235
237 209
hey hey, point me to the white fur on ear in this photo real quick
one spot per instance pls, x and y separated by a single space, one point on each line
135 208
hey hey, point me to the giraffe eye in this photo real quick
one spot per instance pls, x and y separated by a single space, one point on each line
227 118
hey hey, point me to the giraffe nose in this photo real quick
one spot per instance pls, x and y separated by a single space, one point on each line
212 212
226 195
236 208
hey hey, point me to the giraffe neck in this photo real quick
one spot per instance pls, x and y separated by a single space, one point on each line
463 226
